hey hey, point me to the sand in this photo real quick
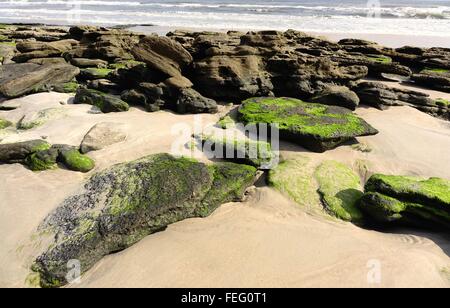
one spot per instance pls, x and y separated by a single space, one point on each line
267 241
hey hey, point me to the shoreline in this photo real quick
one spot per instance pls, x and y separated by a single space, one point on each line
388 40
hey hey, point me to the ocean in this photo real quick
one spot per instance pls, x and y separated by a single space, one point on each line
426 17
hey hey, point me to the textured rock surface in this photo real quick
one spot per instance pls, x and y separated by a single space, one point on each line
246 151
102 135
382 96
105 102
407 200
18 152
20 79
338 96
122 205
314 126
340 190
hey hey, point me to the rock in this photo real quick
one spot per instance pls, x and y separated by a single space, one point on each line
190 101
255 153
337 96
32 120
134 97
178 82
314 126
438 79
124 204
67 87
162 54
104 85
105 102
76 161
232 77
47 61
4 123
83 63
106 44
101 136
407 200
20 79
295 179
381 96
340 191
94 73
7 52
43 160
41 34
18 152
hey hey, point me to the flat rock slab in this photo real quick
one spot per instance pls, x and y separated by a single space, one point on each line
20 79
103 135
316 127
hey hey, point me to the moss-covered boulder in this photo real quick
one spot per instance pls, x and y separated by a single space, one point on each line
95 73
407 200
4 123
19 151
105 102
340 190
316 127
247 151
68 87
75 161
295 179
43 160
122 205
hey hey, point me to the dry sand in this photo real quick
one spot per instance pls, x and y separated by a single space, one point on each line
267 241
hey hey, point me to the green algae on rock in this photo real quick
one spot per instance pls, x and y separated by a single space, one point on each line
43 160
408 200
124 204
19 151
76 161
4 123
295 178
340 190
316 127
68 87
105 102
247 151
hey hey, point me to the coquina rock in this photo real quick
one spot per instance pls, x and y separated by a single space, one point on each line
162 54
407 200
103 101
20 79
120 206
316 127
382 96
102 135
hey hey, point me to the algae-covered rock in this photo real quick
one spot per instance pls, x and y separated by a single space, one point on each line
40 117
316 127
247 151
76 161
43 160
407 200
68 87
19 151
105 102
95 73
340 190
295 178
122 205
4 123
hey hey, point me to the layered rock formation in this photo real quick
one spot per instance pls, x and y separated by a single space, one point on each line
122 205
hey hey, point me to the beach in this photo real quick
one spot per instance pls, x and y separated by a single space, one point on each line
267 241
95 119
